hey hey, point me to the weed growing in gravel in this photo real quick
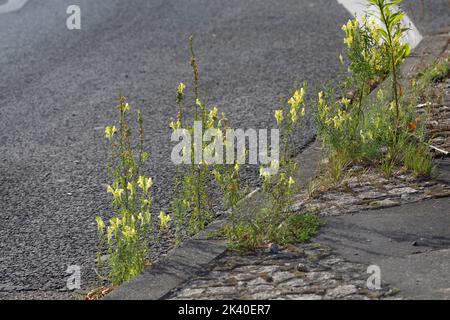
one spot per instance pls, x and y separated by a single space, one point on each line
437 72
418 159
191 206
128 234
274 222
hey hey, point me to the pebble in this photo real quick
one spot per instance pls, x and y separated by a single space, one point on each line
274 248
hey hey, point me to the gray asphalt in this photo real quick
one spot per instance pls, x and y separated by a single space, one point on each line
58 89
430 16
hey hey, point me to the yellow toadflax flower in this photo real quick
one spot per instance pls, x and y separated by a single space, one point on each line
380 95
291 182
180 92
320 97
117 193
164 220
350 29
279 116
345 101
298 98
100 224
110 131
175 125
294 116
129 232
124 107
181 88
145 183
130 187
264 172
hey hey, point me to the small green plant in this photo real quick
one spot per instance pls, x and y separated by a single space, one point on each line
421 85
191 205
274 222
418 158
438 71
129 231
300 228
387 166
337 163
227 177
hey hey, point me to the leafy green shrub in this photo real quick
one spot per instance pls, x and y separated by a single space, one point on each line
367 128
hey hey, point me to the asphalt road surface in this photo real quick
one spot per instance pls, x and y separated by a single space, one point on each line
58 89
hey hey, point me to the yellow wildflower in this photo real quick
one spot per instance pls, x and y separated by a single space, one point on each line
175 125
380 95
320 98
291 182
181 88
164 220
100 224
297 99
110 131
279 116
294 116
130 188
345 101
129 232
117 193
145 183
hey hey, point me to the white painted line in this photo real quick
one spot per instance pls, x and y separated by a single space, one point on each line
12 5
358 8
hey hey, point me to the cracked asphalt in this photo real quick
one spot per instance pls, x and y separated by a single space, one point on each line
58 89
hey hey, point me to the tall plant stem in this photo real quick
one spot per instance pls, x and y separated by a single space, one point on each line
393 67
194 66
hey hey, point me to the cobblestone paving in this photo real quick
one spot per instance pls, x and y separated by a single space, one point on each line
365 189
301 272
